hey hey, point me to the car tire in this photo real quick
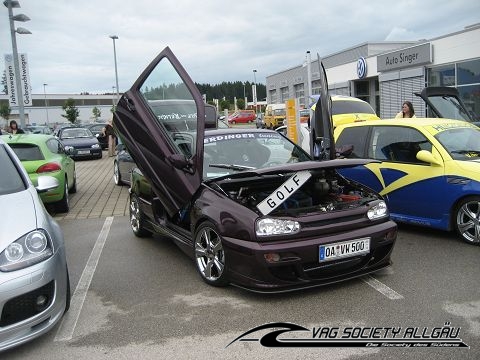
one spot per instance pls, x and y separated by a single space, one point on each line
73 189
116 174
137 219
233 122
64 205
210 255
465 218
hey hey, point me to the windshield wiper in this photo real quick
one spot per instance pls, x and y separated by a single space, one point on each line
465 151
232 167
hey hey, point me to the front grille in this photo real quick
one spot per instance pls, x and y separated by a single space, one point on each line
25 306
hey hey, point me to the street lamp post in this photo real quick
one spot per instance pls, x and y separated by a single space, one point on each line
45 97
255 89
113 98
10 4
115 37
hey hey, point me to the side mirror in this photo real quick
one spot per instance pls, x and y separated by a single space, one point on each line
179 161
427 156
45 183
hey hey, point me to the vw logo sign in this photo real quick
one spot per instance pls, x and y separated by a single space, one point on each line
361 68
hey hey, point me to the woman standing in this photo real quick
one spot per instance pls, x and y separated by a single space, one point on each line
407 111
14 129
110 133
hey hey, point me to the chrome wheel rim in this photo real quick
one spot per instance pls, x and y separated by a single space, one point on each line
67 198
468 221
209 254
116 173
134 215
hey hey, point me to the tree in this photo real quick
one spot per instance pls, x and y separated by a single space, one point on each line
71 111
224 104
5 111
96 113
241 104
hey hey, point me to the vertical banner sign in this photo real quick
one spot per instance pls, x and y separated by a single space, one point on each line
292 131
24 80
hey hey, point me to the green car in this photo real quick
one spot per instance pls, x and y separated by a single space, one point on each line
46 155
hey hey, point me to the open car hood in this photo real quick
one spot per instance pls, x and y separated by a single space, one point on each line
445 102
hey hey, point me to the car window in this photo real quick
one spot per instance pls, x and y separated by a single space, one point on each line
173 105
356 136
397 144
55 146
350 107
10 179
27 152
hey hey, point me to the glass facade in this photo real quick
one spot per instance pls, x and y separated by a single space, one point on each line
465 76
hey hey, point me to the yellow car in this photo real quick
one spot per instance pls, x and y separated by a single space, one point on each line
348 109
428 170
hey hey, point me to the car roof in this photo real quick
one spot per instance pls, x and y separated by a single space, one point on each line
26 138
345 98
410 122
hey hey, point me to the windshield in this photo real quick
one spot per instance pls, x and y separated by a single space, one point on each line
76 133
351 107
461 143
27 152
233 152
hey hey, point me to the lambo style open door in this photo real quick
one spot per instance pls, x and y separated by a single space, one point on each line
322 143
161 121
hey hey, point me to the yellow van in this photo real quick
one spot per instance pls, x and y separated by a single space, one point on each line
275 114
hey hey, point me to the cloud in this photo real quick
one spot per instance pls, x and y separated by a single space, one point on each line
70 48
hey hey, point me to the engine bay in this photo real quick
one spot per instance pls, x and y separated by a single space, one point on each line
325 191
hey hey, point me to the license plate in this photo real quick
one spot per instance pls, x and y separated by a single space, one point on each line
83 152
344 249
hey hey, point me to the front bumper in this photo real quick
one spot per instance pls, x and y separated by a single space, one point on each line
21 319
299 266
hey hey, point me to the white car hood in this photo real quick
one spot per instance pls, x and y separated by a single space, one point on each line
18 216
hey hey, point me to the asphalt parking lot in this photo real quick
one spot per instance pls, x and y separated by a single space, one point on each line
143 298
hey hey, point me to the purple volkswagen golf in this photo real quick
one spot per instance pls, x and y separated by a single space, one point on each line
250 207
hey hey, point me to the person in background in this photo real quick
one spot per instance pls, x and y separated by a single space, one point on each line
108 131
407 111
14 129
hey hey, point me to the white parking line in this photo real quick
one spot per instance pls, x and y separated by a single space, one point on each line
382 288
69 321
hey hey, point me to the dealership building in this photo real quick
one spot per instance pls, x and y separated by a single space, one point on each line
387 73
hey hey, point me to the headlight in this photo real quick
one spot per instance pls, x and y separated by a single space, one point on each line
378 211
95 146
69 148
30 249
268 226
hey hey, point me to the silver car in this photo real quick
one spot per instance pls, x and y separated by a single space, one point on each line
34 283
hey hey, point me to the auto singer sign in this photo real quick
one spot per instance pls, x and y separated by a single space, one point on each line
24 80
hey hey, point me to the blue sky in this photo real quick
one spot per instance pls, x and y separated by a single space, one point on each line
70 48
